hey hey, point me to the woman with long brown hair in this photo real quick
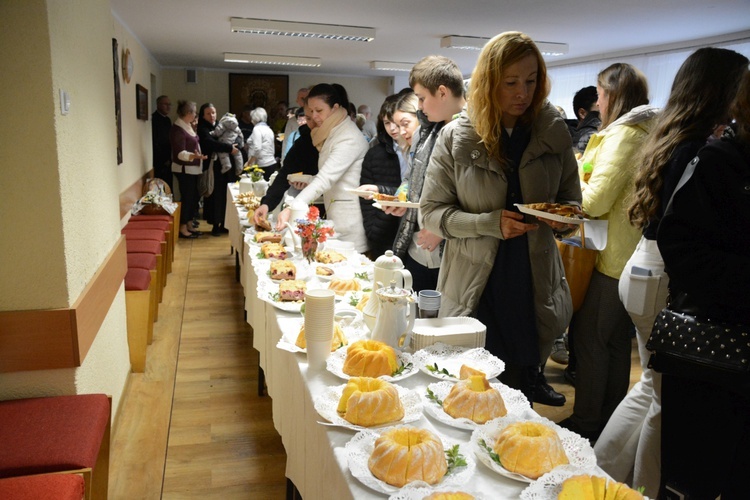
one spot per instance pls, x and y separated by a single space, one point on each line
511 147
699 101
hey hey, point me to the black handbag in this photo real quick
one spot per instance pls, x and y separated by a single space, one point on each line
687 339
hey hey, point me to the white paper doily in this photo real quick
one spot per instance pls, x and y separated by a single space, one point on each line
361 446
408 493
578 450
335 365
451 358
515 402
548 486
327 404
268 289
356 330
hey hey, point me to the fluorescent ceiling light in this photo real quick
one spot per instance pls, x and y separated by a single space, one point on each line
477 43
271 59
391 66
307 30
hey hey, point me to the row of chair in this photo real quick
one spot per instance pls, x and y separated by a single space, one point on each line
150 242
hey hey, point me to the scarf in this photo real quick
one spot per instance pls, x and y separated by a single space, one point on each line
185 126
320 134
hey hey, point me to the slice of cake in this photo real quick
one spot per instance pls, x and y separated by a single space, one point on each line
292 291
340 287
267 237
273 251
323 271
329 257
283 270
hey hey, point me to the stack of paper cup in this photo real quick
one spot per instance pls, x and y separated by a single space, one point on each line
429 303
319 306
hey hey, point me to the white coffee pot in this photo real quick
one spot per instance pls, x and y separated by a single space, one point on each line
396 315
299 211
388 267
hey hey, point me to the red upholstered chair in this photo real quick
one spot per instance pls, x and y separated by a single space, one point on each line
53 435
166 218
148 262
138 289
158 225
43 486
151 234
152 247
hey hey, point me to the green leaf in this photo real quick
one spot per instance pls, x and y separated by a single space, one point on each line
436 369
401 369
362 276
455 459
494 456
274 296
431 395
260 255
353 300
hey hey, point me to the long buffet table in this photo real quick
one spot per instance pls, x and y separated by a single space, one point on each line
316 457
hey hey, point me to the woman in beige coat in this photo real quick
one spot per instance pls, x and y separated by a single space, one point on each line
510 146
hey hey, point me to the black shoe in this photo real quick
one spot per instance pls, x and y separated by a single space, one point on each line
570 376
195 223
216 231
191 236
196 232
544 394
572 426
224 230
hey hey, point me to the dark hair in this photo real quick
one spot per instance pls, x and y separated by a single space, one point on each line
700 99
352 109
300 112
433 71
185 107
386 111
331 94
203 108
741 110
584 98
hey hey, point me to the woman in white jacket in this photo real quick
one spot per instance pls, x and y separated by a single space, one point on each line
261 143
342 148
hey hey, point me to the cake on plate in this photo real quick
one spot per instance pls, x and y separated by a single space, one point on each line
370 401
267 237
585 487
338 340
292 291
329 257
323 271
370 358
283 270
475 399
273 251
407 454
531 449
449 495
340 287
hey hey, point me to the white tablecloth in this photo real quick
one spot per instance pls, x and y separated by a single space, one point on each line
316 459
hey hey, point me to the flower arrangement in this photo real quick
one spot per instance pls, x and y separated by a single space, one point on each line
312 231
255 172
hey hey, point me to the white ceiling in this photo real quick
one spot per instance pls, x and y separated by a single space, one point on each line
195 33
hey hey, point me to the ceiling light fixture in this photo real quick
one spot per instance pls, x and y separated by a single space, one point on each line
391 66
305 30
477 43
271 59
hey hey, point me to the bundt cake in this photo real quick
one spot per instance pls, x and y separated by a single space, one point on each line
340 287
370 401
585 487
530 449
370 358
449 495
406 454
467 371
475 399
338 340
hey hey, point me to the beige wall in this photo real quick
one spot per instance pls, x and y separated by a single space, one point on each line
213 86
61 180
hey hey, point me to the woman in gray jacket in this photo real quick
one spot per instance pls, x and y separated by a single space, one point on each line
510 146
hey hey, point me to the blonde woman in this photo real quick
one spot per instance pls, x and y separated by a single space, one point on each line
510 146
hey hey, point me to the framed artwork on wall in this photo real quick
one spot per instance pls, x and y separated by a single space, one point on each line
263 91
118 117
141 102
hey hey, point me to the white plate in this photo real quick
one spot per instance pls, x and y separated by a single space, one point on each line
548 486
302 273
515 402
300 178
352 325
578 450
420 493
335 365
327 405
544 215
361 446
451 358
284 305
360 192
399 204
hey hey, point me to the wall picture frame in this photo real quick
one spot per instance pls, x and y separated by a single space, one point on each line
141 102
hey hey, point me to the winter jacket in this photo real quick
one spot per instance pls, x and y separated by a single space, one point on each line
585 129
228 131
339 169
427 134
705 239
209 144
463 199
382 168
612 153
262 145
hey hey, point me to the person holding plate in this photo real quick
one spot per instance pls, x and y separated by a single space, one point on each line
510 145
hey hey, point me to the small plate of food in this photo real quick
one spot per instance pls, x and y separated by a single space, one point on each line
567 214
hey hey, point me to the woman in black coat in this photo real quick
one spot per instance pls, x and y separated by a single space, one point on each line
381 168
214 206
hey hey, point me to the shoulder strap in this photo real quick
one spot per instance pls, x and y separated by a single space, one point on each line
686 175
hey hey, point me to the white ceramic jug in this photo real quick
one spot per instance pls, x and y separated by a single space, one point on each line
388 267
396 316
299 211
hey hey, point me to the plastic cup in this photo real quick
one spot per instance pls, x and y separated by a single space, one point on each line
429 303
